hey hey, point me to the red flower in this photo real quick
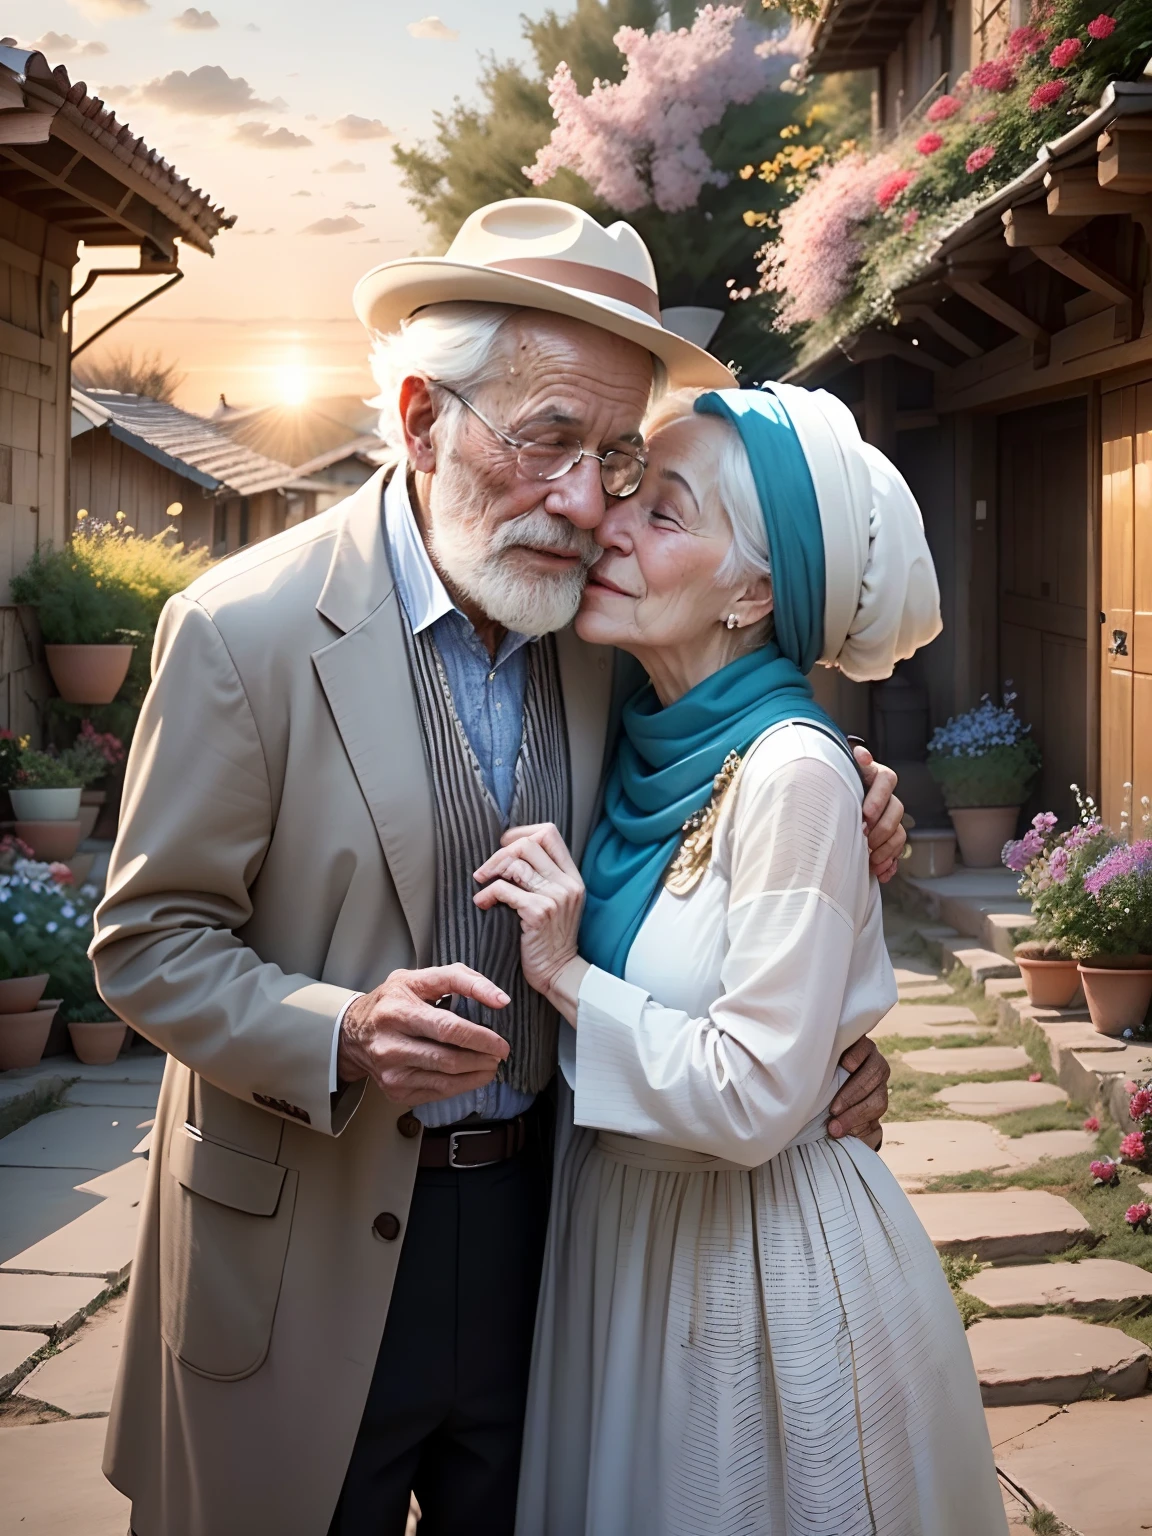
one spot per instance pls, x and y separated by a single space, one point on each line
1140 1104
892 186
1137 1215
1063 53
1026 40
928 143
910 220
1102 27
61 873
1132 1147
979 158
1104 1171
995 75
1091 1124
945 107
1045 95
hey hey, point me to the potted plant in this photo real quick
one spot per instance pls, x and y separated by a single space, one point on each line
1116 950
1043 859
44 932
46 796
984 761
97 1034
110 750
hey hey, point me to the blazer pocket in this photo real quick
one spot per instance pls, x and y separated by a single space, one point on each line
225 1220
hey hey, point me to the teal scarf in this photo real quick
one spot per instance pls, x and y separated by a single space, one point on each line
667 757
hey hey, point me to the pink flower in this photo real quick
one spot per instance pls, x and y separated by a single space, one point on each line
1044 822
1132 1147
1064 53
996 75
976 161
1104 1171
1102 27
984 118
1046 95
1026 40
61 874
928 143
1140 1104
1091 1124
892 186
910 220
945 107
1137 1215
1035 1077
1131 1087
1058 865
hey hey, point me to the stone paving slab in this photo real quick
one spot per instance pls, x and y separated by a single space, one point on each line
980 963
910 972
1018 1419
1096 1288
80 1378
52 1482
999 1098
1001 1226
82 1137
1054 1360
122 1095
125 1182
37 1201
966 1060
1029 1150
102 1242
1005 986
16 1348
898 1026
924 991
1088 1464
45 1302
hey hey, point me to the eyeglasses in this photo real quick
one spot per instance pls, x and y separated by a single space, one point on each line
620 471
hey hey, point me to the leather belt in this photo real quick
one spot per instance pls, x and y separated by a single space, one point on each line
467 1147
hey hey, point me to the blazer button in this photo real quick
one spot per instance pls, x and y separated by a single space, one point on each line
408 1125
387 1226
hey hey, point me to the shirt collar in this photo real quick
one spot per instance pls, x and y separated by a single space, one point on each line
423 594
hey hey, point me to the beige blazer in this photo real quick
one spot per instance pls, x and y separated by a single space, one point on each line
275 854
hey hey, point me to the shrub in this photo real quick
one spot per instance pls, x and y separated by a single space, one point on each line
984 756
74 606
46 927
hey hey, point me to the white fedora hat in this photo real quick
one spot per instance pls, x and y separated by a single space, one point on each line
547 255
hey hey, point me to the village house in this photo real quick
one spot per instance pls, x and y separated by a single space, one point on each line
330 441
1014 392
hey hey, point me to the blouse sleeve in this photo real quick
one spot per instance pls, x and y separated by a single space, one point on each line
741 1081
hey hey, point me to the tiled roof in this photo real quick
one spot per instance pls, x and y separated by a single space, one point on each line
186 443
40 104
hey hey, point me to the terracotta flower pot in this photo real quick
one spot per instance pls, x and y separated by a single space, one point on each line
982 831
88 674
81 866
1117 999
932 853
89 816
97 1042
51 841
1050 983
45 804
23 1036
21 994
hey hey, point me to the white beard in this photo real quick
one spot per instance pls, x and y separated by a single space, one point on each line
479 565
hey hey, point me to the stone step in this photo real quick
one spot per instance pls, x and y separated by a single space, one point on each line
923 991
914 972
916 1151
17 1347
999 1098
980 963
46 1303
1086 1463
122 1095
80 1378
52 1482
1092 1288
997 987
83 1137
100 1243
967 1060
1054 1360
1007 1226
897 1025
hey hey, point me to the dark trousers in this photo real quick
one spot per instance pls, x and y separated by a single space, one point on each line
445 1411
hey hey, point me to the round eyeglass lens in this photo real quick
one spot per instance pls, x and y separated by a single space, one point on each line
621 473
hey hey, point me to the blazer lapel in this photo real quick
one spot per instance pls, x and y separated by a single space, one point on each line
365 676
586 683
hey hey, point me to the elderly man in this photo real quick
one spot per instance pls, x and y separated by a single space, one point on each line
353 1124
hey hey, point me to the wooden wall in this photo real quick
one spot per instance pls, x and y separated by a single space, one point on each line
109 476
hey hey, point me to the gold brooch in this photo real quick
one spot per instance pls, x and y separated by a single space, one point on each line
692 858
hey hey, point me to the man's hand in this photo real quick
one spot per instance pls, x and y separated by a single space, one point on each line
857 1108
883 815
414 1052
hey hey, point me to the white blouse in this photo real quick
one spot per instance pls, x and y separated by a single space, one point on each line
738 999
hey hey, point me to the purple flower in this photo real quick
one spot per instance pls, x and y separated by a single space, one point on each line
1082 834
1044 822
1128 859
1058 865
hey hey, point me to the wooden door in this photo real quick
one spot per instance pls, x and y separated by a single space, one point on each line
1043 546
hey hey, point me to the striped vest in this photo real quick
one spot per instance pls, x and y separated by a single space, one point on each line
468 826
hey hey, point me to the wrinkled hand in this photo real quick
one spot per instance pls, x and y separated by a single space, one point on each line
858 1107
883 815
533 873
414 1052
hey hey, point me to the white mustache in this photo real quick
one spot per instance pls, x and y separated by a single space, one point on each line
540 530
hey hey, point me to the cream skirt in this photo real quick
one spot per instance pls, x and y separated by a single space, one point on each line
731 1352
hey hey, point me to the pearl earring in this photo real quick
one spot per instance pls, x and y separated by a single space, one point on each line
731 621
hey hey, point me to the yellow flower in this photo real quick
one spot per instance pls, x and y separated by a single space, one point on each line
82 514
747 171
120 517
754 220
174 508
791 131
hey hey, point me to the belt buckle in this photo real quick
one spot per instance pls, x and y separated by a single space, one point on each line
454 1138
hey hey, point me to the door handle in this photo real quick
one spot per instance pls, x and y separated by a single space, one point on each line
1119 646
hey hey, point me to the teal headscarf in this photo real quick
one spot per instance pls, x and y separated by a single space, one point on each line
668 756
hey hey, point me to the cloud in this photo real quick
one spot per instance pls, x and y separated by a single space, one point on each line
359 207
261 136
301 194
375 240
207 92
257 231
62 45
193 20
347 167
432 29
111 10
341 226
353 127
251 26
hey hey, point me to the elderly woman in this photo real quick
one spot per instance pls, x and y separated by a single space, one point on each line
743 1327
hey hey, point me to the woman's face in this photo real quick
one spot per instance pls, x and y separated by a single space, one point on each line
655 586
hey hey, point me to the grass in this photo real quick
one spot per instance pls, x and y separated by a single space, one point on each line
1044 1523
1045 1117
956 1270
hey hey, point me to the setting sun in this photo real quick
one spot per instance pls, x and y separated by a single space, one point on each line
292 383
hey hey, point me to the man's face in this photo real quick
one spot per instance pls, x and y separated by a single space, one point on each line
519 547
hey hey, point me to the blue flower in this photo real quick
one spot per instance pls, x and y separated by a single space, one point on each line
67 910
19 917
51 927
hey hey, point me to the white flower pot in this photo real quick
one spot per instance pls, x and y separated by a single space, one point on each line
45 804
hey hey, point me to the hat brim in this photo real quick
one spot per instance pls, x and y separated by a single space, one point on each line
393 292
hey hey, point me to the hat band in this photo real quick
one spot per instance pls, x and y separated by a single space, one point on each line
575 274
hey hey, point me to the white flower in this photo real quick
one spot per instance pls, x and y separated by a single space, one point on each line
51 927
5 895
19 917
67 910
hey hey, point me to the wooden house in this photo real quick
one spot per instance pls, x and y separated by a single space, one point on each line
1014 392
69 172
330 441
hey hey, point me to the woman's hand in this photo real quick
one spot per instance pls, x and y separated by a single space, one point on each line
535 875
883 816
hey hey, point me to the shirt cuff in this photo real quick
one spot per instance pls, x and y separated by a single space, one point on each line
333 1083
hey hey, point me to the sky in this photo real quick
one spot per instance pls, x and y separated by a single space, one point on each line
286 114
